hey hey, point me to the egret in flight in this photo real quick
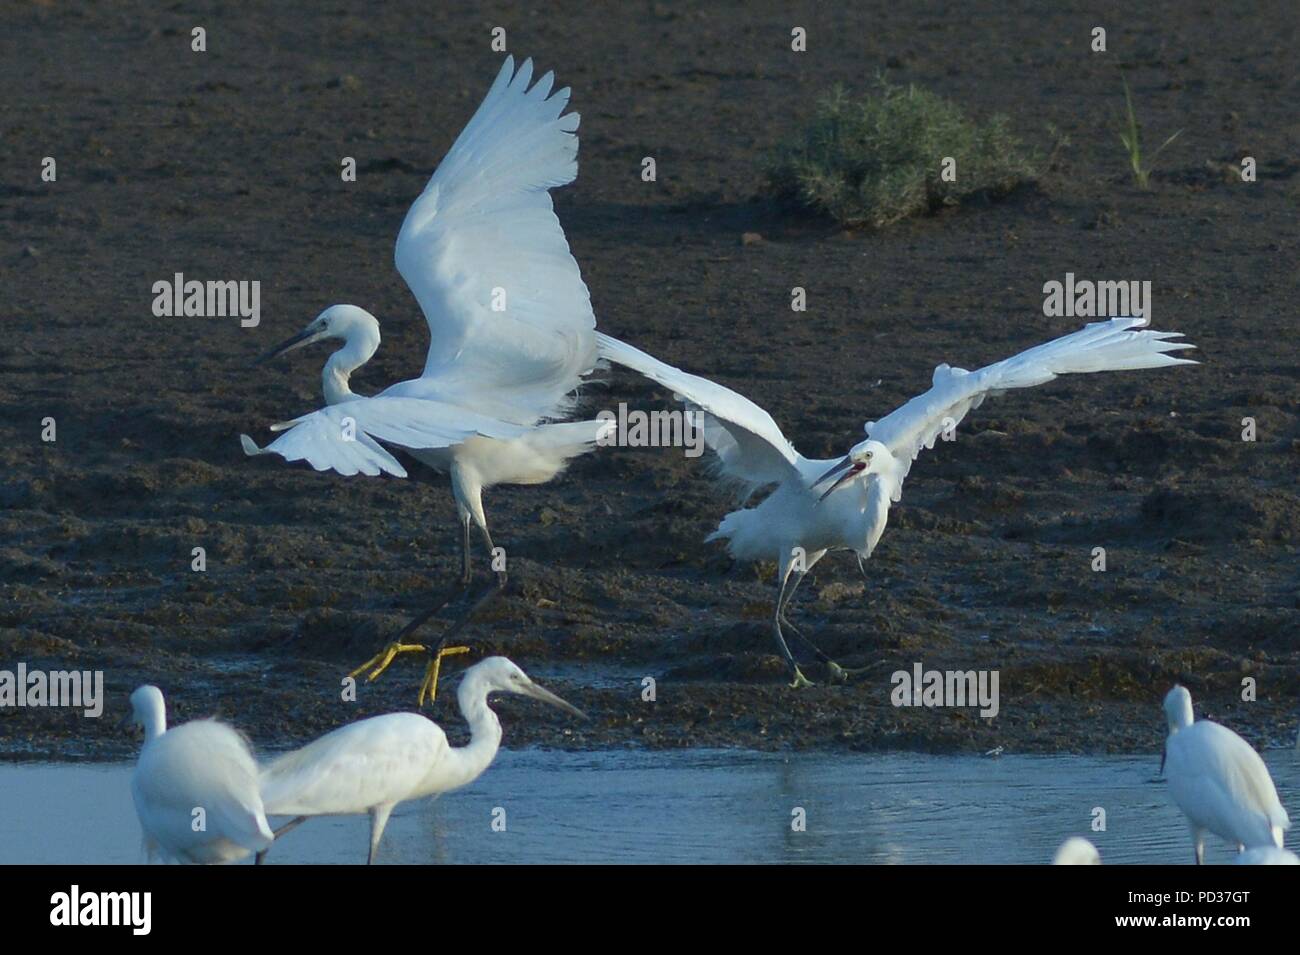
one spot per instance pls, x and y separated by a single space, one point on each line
816 506
1219 781
512 332
372 765
199 771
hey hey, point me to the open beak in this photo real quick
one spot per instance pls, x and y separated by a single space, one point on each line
304 337
546 696
847 466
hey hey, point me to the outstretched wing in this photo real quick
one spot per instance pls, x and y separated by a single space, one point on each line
345 437
1119 344
750 447
509 315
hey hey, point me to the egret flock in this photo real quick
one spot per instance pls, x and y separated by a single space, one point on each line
512 338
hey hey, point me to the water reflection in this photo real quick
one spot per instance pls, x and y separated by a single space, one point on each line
684 807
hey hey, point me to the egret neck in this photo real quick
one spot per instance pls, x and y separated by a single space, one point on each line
359 347
464 764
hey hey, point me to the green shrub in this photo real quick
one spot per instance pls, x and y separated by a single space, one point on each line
876 159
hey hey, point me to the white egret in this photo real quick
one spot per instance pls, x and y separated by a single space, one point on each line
199 772
1077 851
1219 781
797 523
372 765
511 323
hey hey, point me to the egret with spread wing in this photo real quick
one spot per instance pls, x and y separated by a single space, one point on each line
817 506
511 324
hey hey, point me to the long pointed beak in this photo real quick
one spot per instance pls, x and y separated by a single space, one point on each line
835 469
546 696
1164 752
845 466
304 337
124 723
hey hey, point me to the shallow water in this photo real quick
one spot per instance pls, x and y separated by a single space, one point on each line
684 806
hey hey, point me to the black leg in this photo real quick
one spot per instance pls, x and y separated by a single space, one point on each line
484 598
287 827
821 657
799 678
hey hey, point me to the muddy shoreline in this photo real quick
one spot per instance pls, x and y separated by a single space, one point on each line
226 166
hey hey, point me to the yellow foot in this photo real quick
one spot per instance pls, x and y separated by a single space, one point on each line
837 673
384 658
800 680
430 683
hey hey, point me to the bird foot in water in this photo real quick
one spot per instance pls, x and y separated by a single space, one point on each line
800 681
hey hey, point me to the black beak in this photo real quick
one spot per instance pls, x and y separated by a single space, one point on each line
835 469
124 724
1164 751
304 337
845 466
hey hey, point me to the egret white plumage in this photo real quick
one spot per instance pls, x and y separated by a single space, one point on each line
511 323
199 767
372 765
1219 782
798 522
1077 851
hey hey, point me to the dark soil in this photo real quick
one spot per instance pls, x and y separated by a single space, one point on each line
225 165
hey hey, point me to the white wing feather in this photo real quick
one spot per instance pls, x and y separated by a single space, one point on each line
750 447
1114 345
380 760
484 228
344 437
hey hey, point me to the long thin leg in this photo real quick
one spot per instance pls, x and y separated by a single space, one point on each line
466 578
384 658
798 579
838 673
799 679
466 572
482 600
378 819
287 827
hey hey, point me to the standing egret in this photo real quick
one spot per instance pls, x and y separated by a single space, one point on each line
372 765
1219 781
1077 851
512 332
798 522
199 772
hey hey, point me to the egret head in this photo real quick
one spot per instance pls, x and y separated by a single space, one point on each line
1178 708
346 322
505 676
147 709
865 457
